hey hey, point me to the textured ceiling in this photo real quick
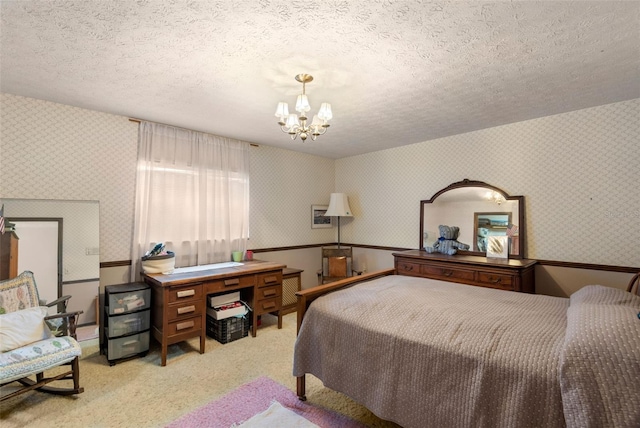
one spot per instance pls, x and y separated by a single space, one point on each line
395 72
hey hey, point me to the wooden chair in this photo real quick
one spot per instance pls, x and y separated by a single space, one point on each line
30 347
336 264
635 282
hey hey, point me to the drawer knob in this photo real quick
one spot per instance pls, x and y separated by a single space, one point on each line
186 293
186 309
447 273
495 281
408 267
270 279
268 305
270 293
230 282
185 325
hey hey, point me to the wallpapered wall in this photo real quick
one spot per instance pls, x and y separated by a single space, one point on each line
54 151
578 172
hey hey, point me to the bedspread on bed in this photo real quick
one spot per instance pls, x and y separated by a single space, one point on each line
424 353
600 361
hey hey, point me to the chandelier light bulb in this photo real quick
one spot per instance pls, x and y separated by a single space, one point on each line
293 125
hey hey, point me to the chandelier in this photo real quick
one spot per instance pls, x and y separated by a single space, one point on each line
494 196
294 125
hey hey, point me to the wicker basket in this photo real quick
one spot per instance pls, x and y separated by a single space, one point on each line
164 263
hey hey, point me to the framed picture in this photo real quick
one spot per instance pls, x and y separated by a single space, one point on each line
498 246
318 219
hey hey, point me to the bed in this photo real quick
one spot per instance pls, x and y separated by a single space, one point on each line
422 352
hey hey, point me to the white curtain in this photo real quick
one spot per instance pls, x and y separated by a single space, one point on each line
192 193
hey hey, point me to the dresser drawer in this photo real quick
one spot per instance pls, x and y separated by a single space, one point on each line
268 305
495 280
185 293
269 292
447 273
119 325
408 268
270 278
230 284
185 326
127 346
184 309
129 301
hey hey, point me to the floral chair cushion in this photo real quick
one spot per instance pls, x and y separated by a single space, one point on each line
18 293
37 357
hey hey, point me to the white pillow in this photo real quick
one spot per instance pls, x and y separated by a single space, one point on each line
23 327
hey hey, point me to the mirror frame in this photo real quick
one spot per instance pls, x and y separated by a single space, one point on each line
474 183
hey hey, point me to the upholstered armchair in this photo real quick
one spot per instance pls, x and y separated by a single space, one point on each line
28 345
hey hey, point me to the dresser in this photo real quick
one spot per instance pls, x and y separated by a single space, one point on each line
503 274
179 300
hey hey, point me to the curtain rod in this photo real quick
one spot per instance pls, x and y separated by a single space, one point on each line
132 119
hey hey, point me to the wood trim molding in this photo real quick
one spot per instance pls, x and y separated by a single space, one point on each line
576 265
589 266
115 264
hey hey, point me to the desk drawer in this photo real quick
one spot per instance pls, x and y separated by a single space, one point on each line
408 268
231 283
185 309
269 292
447 273
270 278
185 326
185 293
495 280
268 305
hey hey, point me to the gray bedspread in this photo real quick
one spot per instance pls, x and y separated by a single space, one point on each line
600 360
426 353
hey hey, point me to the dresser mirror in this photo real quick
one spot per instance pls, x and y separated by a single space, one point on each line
479 210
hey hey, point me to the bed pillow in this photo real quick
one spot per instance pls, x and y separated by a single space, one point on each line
600 358
23 327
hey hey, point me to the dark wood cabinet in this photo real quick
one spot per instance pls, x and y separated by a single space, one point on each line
8 255
503 274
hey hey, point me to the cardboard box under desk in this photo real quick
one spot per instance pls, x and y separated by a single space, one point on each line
219 314
224 299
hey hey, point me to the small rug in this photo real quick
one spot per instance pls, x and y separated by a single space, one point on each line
253 398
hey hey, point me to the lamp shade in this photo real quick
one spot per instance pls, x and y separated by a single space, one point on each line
339 206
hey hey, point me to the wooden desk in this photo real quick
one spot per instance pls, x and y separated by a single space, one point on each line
179 301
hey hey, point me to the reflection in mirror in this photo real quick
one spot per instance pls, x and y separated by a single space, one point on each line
59 241
471 205
489 224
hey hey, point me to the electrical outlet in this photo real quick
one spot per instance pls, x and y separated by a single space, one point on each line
93 251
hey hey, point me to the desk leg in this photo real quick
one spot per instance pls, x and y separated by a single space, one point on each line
164 353
280 319
254 324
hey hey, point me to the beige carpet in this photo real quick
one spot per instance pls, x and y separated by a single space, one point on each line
141 393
